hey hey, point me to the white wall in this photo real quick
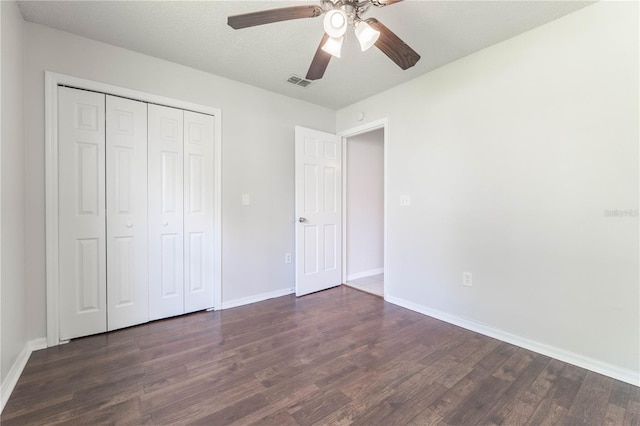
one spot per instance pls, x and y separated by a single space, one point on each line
365 203
512 156
257 145
13 311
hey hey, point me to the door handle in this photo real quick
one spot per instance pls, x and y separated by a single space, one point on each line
302 219
129 225
165 223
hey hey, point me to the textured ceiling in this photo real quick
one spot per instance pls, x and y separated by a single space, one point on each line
195 34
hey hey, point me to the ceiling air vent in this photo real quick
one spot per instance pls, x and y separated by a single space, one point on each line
299 81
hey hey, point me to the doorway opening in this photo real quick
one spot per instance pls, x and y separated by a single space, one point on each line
364 210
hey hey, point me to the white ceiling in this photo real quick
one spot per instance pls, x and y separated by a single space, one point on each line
196 34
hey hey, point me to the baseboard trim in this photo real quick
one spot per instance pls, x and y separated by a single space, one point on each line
37 344
257 298
9 383
365 274
622 374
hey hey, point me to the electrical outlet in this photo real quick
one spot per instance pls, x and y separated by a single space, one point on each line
405 201
287 258
467 279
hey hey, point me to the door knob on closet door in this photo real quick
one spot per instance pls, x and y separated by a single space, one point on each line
165 223
302 219
129 225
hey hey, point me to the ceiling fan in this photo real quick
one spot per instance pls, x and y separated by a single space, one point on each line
339 16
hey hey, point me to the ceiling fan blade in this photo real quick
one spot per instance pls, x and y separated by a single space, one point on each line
273 15
392 46
320 61
382 3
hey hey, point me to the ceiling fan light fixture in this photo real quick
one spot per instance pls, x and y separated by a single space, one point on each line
366 34
333 45
335 23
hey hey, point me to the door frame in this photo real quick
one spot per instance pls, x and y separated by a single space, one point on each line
382 123
52 81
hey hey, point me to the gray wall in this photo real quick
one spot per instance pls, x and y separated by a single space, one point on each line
13 309
512 157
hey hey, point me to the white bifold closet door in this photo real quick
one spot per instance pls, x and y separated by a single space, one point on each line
136 200
198 211
81 205
102 212
180 211
166 276
127 271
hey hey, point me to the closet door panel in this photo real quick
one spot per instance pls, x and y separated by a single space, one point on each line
81 200
165 186
126 188
198 211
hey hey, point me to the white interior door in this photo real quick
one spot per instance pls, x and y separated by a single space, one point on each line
81 200
318 176
198 211
165 202
127 267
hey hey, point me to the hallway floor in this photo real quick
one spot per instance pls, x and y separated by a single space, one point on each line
373 284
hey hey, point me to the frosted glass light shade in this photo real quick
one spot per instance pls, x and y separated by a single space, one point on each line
335 23
333 46
366 34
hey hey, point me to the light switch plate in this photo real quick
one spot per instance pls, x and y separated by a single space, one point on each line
246 200
467 279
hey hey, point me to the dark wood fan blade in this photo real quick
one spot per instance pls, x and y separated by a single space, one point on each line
320 62
273 15
392 46
382 3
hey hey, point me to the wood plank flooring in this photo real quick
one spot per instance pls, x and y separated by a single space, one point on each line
332 358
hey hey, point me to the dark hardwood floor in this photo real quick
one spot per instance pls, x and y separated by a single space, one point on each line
336 357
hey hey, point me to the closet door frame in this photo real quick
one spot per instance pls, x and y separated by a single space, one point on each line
52 81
